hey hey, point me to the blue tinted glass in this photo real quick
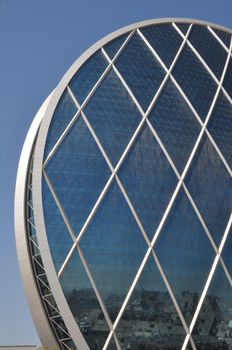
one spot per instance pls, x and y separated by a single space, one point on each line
150 320
113 46
227 82
113 116
213 325
86 77
224 36
164 39
185 253
78 173
112 345
210 186
220 127
183 27
59 238
195 81
63 114
209 48
83 303
227 252
114 248
148 180
175 124
141 70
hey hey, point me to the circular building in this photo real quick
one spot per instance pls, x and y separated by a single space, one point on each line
123 195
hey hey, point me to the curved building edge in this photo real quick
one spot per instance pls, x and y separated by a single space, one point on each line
39 316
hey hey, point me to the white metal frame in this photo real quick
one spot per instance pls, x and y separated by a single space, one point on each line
38 166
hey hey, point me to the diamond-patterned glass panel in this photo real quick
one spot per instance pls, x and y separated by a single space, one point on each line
175 124
83 303
140 69
185 253
195 81
220 126
224 36
164 39
78 173
113 116
113 46
59 238
150 320
63 114
227 82
114 248
209 48
210 186
141 171
183 27
227 252
213 326
87 76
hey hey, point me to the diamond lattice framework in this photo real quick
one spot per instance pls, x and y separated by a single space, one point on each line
129 199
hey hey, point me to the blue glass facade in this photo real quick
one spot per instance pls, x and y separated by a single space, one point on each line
144 183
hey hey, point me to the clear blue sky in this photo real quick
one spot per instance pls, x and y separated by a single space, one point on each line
39 40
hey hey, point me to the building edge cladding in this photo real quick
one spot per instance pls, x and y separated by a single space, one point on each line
24 256
42 321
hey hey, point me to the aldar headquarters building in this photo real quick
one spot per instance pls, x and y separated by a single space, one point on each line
124 197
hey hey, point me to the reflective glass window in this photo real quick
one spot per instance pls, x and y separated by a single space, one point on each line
140 69
213 326
224 36
209 48
195 81
63 114
150 320
148 180
227 252
175 124
87 76
164 39
185 254
209 184
78 173
113 116
114 248
83 303
59 238
183 27
113 46
227 82
220 126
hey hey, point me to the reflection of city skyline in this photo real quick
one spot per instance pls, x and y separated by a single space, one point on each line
150 316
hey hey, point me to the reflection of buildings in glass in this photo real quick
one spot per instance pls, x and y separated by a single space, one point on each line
127 195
